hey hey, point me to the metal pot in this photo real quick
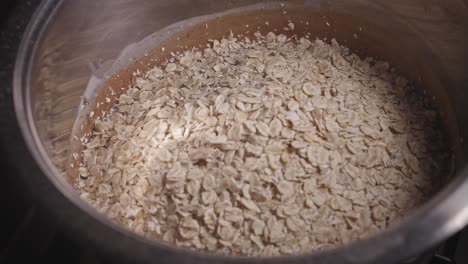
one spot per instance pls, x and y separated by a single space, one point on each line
69 43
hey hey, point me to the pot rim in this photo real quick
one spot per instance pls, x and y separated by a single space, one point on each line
442 216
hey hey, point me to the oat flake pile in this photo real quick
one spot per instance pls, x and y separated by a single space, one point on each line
263 147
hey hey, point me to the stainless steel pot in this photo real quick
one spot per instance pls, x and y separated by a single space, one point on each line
69 43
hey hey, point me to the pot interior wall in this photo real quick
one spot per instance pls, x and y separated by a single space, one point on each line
425 40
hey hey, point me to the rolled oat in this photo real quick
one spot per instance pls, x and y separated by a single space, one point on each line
263 147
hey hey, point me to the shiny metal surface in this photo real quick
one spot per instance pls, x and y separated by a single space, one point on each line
70 42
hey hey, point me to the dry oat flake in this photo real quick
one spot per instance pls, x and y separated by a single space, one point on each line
271 146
